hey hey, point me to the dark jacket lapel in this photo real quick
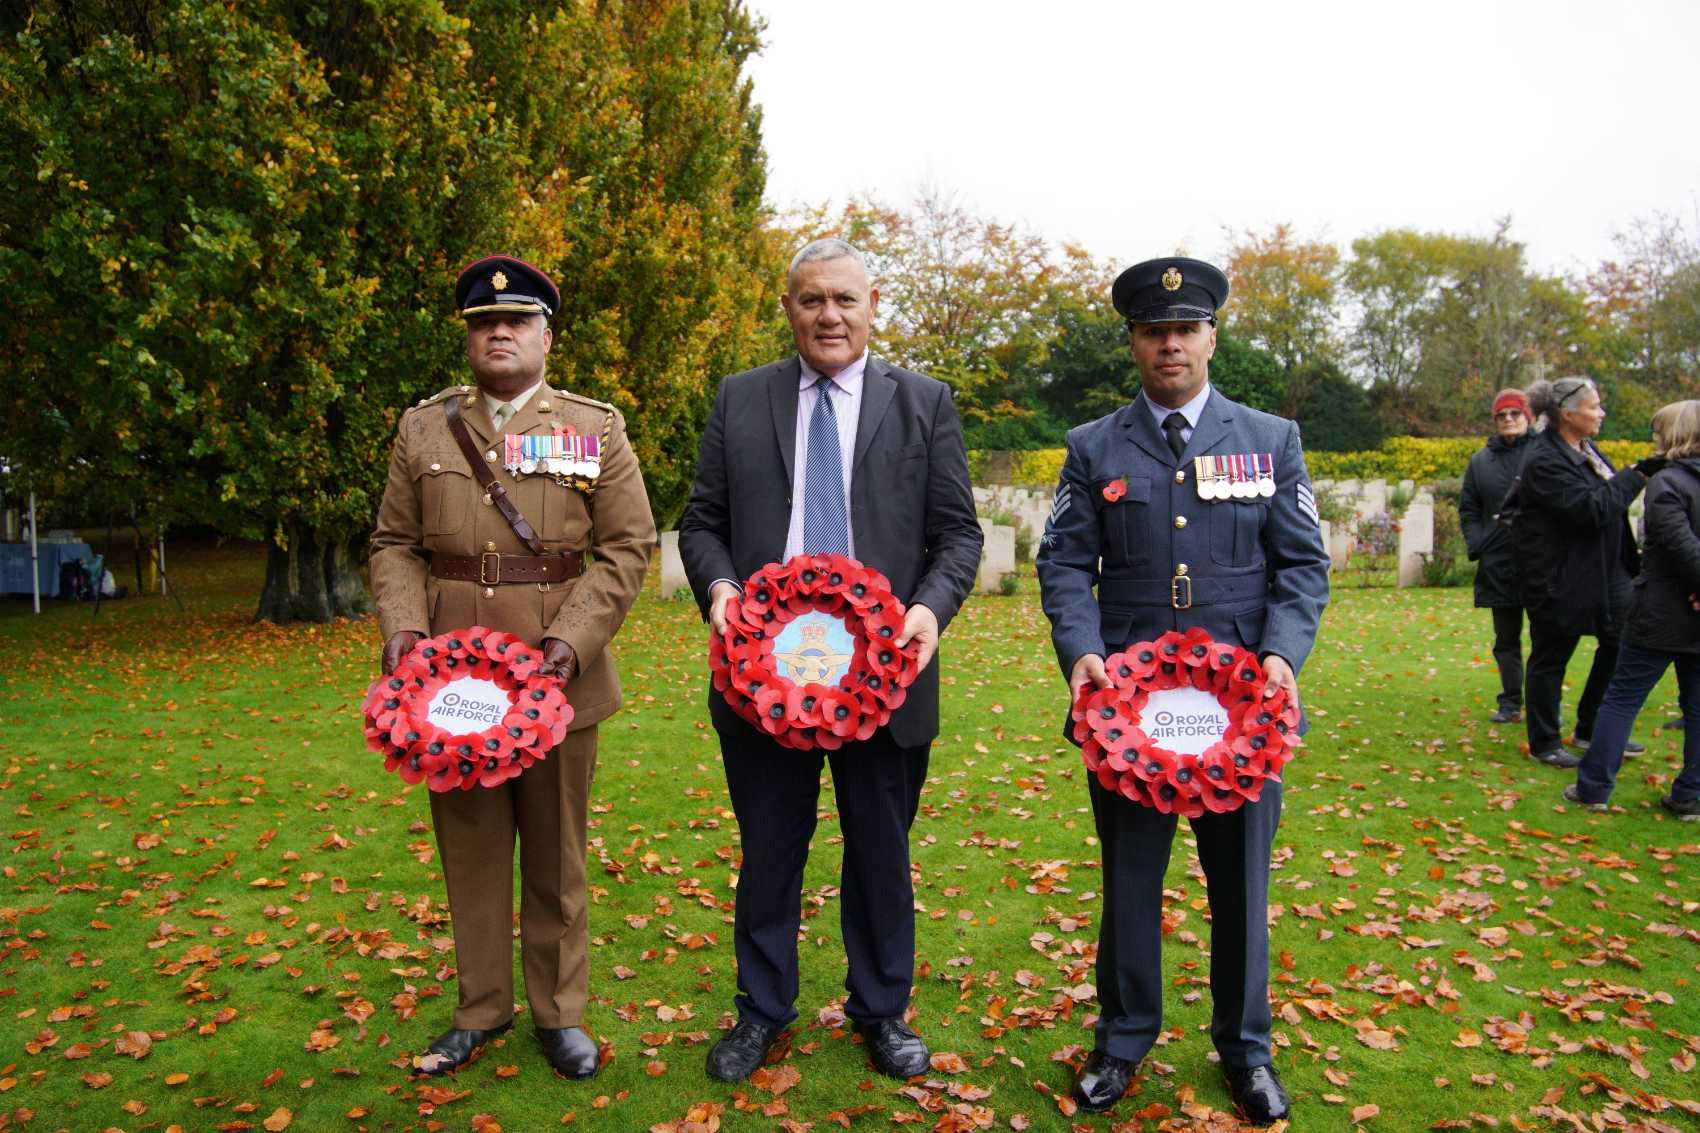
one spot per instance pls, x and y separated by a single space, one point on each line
1142 430
1212 428
878 388
782 397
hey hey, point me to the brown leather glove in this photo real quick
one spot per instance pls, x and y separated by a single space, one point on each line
399 645
559 658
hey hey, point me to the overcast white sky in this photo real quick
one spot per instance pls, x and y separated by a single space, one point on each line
1142 129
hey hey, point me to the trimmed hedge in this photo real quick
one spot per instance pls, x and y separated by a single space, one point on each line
1423 459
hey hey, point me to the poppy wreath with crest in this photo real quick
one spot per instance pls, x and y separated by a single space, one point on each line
1260 737
809 716
397 707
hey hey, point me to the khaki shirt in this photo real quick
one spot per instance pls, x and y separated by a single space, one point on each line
432 503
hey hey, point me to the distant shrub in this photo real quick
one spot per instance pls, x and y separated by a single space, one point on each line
1448 564
1425 460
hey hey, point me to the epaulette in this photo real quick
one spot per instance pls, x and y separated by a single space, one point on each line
438 396
582 400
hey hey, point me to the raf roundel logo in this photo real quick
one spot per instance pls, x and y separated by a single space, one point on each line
500 281
1171 280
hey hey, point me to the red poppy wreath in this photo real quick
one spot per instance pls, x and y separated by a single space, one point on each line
809 655
466 709
1185 727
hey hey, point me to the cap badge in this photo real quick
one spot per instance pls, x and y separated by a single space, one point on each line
500 281
1171 280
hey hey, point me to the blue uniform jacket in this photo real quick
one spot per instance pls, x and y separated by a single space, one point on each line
1108 567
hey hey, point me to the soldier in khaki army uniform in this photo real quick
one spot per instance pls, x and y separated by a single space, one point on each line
552 549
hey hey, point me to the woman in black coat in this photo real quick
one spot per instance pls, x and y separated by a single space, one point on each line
1486 481
1663 627
1575 557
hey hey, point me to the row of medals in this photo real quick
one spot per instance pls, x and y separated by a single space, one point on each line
1236 476
553 455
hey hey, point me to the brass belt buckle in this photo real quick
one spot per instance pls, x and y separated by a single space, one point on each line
487 576
1176 598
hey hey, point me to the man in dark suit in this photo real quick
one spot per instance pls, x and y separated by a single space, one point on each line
1132 550
831 451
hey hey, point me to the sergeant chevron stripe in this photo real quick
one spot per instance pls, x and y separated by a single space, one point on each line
1307 503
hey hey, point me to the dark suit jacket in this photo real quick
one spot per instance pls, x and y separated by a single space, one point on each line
911 507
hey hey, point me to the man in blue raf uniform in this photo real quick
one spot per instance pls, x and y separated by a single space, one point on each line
1136 546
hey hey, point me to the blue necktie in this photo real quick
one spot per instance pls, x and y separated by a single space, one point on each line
826 528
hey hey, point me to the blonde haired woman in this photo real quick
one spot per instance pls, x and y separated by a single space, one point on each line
1663 627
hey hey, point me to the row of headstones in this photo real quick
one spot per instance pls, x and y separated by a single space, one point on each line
997 559
1031 508
1372 497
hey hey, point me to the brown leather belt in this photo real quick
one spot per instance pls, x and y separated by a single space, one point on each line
493 569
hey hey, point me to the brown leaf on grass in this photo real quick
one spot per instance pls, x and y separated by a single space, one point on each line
134 1108
655 1068
83 1050
1365 1112
176 1078
776 1079
279 1120
485 1123
507 1071
1374 1037
97 1079
948 1062
136 1044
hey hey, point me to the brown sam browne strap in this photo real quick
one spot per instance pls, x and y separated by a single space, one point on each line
487 479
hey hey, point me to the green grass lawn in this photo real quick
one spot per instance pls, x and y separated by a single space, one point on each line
218 912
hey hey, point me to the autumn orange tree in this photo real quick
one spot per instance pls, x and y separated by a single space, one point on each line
231 233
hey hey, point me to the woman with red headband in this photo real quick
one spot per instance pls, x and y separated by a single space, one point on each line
1486 481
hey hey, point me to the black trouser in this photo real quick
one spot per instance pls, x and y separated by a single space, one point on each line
1233 849
1551 644
774 793
1508 655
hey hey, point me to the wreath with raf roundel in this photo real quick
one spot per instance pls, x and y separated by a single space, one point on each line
809 655
1185 727
466 709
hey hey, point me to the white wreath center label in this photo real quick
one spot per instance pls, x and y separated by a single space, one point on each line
1184 720
470 704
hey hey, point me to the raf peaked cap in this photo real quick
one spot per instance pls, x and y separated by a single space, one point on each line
502 283
1176 290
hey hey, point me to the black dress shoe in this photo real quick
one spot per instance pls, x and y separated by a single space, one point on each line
1257 1090
896 1051
1102 1081
736 1056
1507 716
570 1051
455 1048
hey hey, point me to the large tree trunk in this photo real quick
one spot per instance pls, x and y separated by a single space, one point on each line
342 577
313 577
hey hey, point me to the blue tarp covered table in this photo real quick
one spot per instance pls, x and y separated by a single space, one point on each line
15 565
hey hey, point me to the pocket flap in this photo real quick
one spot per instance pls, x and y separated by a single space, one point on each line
437 463
1132 490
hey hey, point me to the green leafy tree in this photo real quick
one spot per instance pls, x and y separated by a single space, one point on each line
232 231
1336 415
1285 298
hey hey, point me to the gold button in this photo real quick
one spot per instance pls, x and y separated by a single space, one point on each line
487 498
489 546
471 401
1180 521
1180 568
542 407
435 467
489 592
1180 476
490 456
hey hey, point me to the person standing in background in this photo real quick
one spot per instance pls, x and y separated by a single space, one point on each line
1486 481
1575 557
1663 626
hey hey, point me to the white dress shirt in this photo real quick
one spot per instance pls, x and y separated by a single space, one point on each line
1192 411
845 389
